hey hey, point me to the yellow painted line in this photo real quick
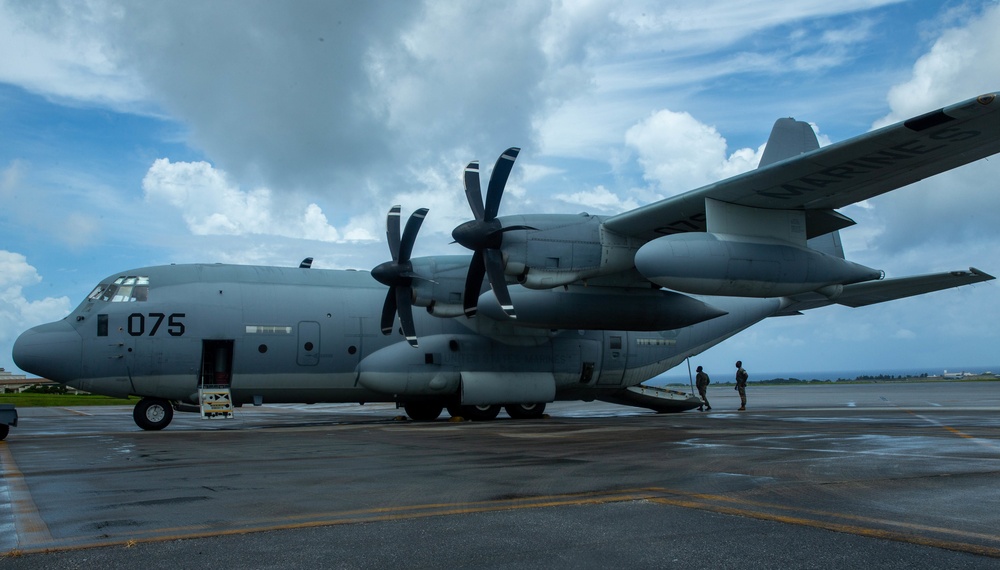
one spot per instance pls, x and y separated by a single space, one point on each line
28 523
990 444
709 503
379 514
705 502
77 412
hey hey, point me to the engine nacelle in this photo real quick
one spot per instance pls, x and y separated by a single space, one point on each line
468 368
592 308
400 371
721 264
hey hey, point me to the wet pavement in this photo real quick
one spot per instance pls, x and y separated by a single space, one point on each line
848 476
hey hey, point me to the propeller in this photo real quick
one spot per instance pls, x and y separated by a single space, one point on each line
398 274
484 235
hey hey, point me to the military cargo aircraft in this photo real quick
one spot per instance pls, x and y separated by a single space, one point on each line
548 307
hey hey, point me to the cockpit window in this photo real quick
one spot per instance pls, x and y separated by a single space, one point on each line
124 289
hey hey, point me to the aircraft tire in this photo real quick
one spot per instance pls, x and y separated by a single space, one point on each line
525 411
4 430
423 411
152 414
476 413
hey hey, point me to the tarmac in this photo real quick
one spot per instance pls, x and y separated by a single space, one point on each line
883 475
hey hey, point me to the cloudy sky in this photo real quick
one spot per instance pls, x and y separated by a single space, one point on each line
144 133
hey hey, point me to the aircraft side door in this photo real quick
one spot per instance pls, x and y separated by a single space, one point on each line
615 358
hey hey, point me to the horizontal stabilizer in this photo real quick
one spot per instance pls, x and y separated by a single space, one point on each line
862 294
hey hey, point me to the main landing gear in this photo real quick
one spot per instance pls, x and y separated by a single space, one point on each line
152 414
429 411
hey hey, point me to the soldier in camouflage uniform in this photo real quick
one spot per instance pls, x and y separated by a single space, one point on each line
702 382
741 384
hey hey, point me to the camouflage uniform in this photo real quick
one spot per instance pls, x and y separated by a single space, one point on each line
741 384
702 382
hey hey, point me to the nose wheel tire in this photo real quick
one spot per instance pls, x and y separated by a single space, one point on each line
152 414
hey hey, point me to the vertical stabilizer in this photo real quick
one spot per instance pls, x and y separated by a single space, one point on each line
829 244
788 138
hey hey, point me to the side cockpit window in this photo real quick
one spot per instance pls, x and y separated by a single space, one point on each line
124 289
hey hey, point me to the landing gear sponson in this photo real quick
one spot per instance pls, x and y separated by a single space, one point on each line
429 411
154 414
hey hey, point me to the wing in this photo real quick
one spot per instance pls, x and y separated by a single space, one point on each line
822 180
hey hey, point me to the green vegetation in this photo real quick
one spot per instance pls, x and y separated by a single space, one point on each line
867 379
38 399
870 379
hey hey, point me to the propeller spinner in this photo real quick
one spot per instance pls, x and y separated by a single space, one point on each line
398 274
484 235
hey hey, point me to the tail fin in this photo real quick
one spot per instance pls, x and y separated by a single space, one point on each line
829 244
788 138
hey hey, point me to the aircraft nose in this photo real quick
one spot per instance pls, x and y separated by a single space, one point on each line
53 351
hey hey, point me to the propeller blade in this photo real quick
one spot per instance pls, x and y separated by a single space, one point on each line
410 233
498 179
405 309
472 192
494 269
392 231
398 273
484 235
473 283
389 311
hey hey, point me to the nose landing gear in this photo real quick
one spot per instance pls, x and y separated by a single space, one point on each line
152 414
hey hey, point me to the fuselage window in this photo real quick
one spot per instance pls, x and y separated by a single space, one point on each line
124 290
97 292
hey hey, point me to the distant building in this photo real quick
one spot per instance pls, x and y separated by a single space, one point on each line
11 383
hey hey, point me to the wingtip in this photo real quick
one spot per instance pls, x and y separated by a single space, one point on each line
983 274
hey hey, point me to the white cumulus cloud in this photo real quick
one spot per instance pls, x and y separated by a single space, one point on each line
679 153
17 313
213 205
961 64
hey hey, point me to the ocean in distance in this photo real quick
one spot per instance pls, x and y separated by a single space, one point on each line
679 374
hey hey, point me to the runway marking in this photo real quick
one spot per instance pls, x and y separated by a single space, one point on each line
656 495
710 503
983 442
563 434
378 514
77 412
832 452
29 528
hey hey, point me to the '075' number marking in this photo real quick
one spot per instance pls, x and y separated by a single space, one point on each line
137 323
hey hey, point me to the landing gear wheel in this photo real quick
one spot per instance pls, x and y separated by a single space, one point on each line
423 412
525 411
475 413
152 414
4 430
